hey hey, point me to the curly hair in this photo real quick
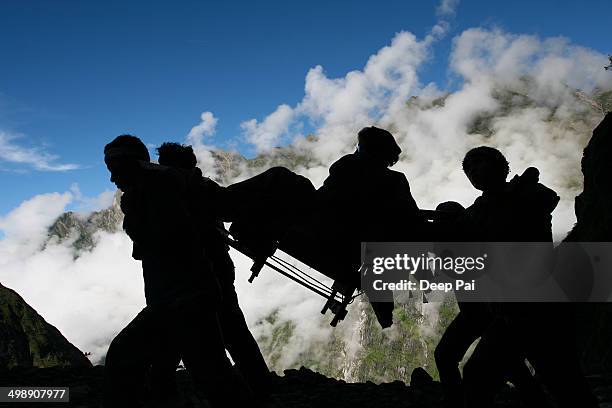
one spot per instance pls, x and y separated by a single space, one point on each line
176 155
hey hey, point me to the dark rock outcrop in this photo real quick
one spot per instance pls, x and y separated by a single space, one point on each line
594 205
27 340
594 224
300 388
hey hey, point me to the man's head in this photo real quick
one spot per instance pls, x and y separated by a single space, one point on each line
486 168
176 155
122 156
378 144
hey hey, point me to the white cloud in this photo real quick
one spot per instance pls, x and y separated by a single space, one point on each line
266 134
387 80
340 106
447 8
102 287
34 157
196 138
87 204
27 223
207 127
554 63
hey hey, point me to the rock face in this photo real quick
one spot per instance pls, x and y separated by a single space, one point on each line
72 226
27 340
299 388
594 223
594 204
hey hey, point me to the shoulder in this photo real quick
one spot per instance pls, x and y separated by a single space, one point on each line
396 179
346 162
209 182
163 179
204 187
397 176
478 205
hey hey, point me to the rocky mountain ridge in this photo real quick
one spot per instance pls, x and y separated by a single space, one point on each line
27 340
81 229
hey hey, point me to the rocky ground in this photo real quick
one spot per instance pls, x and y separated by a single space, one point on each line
301 388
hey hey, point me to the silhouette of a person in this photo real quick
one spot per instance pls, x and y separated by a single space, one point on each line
181 300
363 200
516 211
239 341
471 323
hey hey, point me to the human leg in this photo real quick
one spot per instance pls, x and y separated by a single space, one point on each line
126 362
242 346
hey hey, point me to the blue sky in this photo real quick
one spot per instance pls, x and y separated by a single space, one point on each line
75 74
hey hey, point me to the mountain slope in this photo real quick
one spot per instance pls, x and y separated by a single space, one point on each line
27 340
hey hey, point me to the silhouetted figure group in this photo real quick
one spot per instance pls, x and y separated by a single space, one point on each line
174 217
192 312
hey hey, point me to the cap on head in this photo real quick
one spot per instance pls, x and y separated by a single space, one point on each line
176 155
380 144
126 146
